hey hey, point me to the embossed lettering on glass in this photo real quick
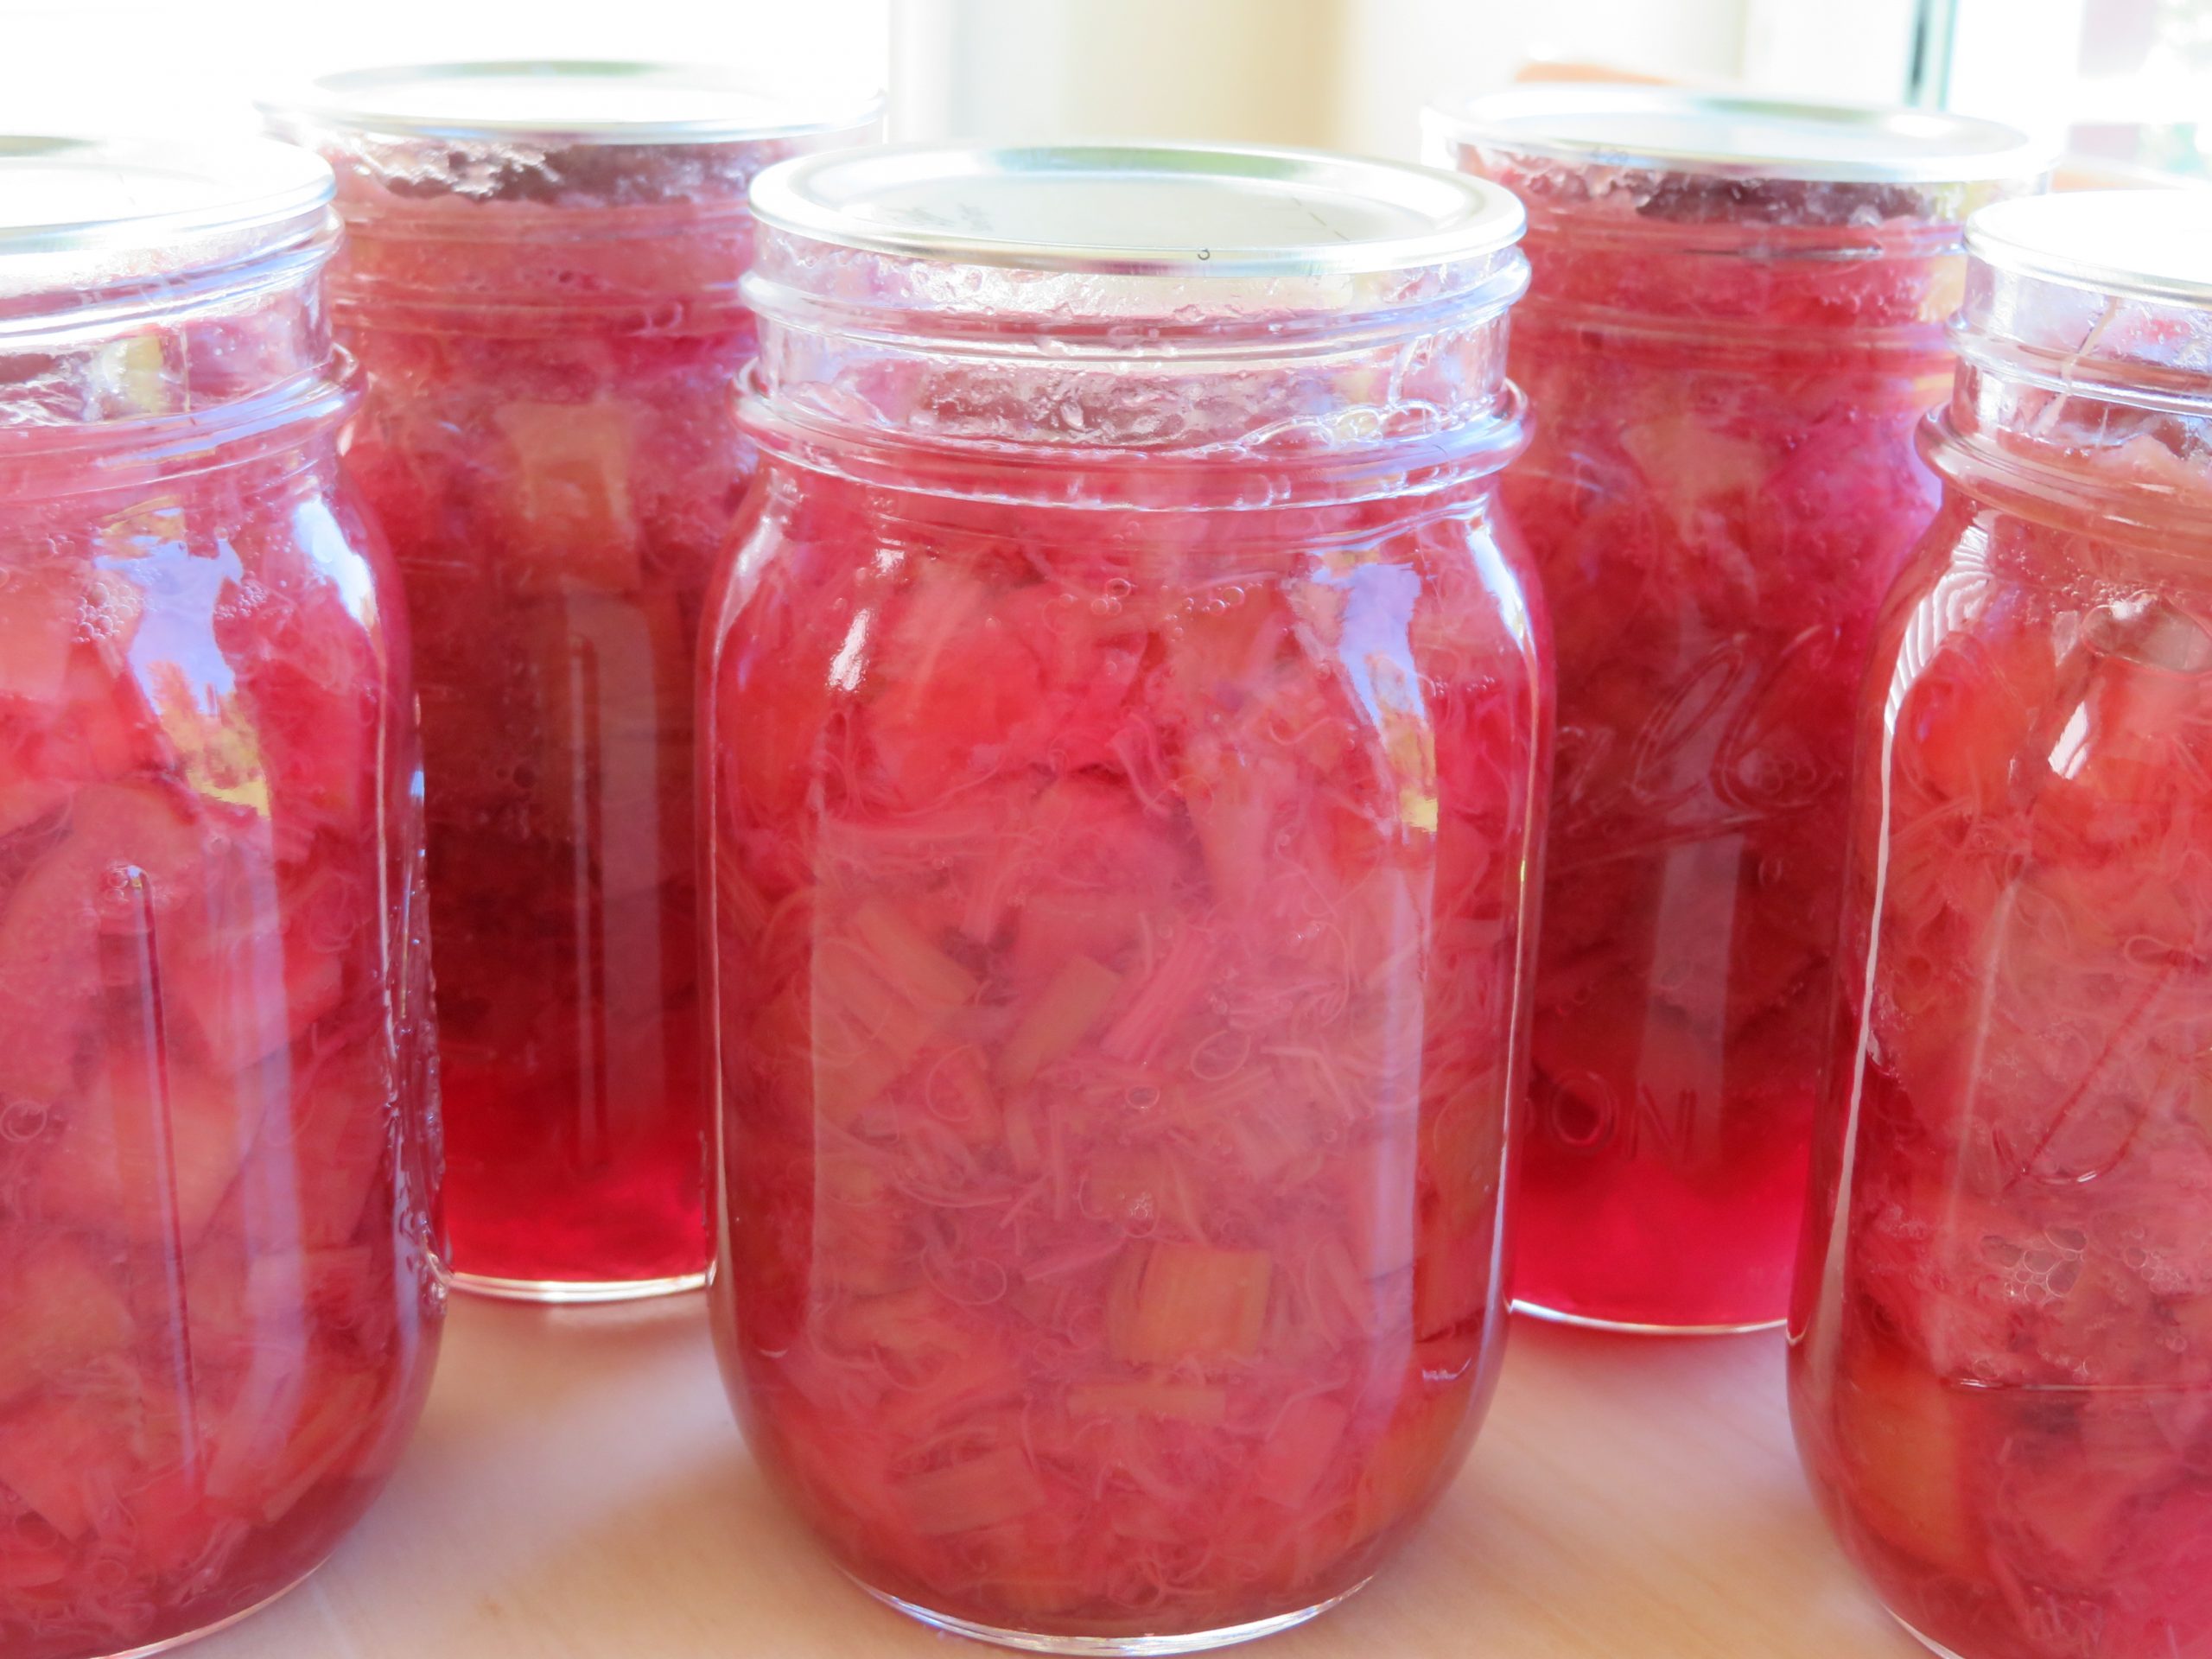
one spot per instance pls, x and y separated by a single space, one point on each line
1734 322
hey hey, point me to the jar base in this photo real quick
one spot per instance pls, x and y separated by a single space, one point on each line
171 1644
1103 1646
1927 1642
575 1292
1635 1328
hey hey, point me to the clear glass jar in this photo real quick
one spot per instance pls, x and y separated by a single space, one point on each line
219 1296
1126 727
2001 1363
1734 322
541 282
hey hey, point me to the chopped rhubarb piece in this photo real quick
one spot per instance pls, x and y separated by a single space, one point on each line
1187 1402
173 1528
909 1330
27 1565
55 1455
149 1148
957 1387
985 1492
922 973
1177 1302
574 521
1453 1279
1906 1432
103 728
865 1244
1052 927
59 1311
1301 1448
959 683
39 619
348 1121
1235 807
1415 1455
291 1419
27 794
1063 1013
956 1090
1173 988
877 1032
254 995
129 857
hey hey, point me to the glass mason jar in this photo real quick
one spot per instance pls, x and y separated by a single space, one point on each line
1734 322
218 1294
1125 732
2001 1364
541 282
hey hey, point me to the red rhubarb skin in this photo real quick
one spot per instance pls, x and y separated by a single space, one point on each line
1119 920
218 1156
2002 1379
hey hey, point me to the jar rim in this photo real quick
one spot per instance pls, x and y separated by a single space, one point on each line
1739 135
2150 244
567 103
86 213
1132 209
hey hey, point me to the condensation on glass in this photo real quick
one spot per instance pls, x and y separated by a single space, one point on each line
219 1287
1125 732
2001 1357
541 282
1736 319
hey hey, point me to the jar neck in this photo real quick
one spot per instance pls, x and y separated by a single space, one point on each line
1098 534
508 236
1777 263
2079 401
1137 480
1667 343
1075 388
530 270
1889 288
285 428
99 368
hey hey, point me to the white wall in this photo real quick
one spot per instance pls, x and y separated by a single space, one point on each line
2018 60
1403 54
1406 53
1262 71
1347 74
1684 40
1861 51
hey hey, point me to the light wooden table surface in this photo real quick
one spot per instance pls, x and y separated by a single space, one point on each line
579 1491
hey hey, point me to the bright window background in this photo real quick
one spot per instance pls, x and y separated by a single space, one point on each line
2144 94
156 66
2128 81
